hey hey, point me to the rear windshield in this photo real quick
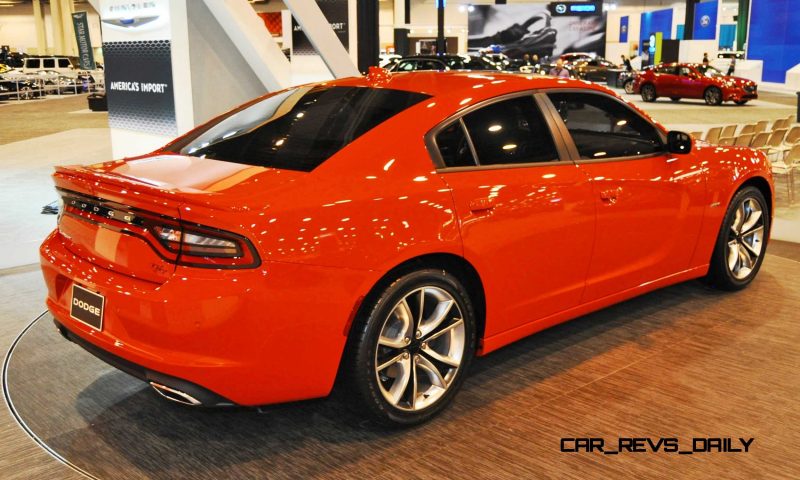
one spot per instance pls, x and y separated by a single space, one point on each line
297 129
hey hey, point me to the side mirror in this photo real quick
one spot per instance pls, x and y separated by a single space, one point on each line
679 142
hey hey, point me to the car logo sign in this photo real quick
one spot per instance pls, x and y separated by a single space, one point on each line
130 22
561 8
705 21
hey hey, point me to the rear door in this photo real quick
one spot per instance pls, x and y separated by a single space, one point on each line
526 215
667 81
649 202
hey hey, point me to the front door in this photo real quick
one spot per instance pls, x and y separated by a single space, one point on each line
650 202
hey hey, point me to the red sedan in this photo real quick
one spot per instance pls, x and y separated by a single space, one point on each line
693 80
384 230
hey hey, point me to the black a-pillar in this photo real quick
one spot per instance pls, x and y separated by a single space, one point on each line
368 34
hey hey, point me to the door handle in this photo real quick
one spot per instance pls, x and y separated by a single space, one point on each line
481 204
610 195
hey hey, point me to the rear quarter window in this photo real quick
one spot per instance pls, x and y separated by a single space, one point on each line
297 129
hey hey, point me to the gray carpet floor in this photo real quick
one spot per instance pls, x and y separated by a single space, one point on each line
684 362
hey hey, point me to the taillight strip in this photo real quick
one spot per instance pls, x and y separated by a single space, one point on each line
126 220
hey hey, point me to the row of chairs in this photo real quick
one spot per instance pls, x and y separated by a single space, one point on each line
717 135
779 141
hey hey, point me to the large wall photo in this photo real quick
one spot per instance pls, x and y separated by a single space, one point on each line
534 29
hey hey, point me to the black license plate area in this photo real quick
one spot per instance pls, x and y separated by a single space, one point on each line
87 307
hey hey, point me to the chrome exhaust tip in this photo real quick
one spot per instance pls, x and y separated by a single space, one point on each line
175 395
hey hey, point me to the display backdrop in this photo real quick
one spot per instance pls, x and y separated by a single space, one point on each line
655 22
533 28
774 37
138 66
705 20
336 12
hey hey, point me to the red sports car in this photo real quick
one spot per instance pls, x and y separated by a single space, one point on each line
693 80
384 230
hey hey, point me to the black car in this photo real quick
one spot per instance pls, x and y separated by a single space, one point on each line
443 62
19 89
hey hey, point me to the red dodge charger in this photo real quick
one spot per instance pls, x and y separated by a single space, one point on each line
384 230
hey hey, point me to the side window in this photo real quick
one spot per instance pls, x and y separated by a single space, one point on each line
430 65
686 72
510 131
406 66
605 128
454 146
32 63
665 69
63 63
49 63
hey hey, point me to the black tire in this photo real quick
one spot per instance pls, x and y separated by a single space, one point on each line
675 99
720 273
713 96
740 102
361 364
648 93
628 86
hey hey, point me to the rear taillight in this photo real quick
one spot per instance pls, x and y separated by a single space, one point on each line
173 240
201 246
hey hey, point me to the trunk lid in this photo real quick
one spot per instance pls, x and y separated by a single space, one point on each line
110 208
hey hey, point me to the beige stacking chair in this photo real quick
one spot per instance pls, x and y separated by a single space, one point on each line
787 166
780 124
713 134
697 135
759 140
793 136
750 128
744 140
774 143
762 126
728 131
726 141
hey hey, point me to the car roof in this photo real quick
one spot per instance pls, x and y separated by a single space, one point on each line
453 82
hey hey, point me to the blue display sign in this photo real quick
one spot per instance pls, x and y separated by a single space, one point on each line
623 29
572 9
705 20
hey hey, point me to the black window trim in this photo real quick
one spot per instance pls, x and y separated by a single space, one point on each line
558 140
570 143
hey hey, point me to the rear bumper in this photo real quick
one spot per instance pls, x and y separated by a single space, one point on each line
251 337
205 397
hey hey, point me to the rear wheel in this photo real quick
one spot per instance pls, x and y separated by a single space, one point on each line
648 93
713 96
410 354
741 243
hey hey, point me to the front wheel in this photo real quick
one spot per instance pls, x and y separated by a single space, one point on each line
628 86
410 354
648 93
713 96
741 243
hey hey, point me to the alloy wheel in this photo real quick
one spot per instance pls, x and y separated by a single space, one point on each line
25 93
713 96
745 238
629 87
420 348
